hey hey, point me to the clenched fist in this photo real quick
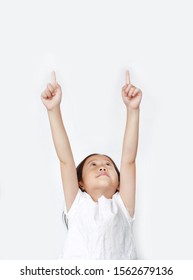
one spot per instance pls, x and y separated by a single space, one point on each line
52 95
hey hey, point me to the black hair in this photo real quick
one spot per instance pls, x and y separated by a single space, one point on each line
80 166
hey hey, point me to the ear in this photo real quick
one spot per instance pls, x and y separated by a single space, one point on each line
80 183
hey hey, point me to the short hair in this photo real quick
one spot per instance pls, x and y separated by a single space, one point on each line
80 166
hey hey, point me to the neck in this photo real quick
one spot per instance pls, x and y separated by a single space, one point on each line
98 193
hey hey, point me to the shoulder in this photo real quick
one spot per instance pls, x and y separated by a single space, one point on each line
78 198
118 200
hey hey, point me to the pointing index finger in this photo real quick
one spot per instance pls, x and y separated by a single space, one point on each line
127 77
53 77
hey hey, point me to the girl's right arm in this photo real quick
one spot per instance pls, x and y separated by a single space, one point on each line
51 98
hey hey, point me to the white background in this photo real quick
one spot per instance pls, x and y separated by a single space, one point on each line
90 44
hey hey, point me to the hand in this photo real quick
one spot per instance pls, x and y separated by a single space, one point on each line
52 95
130 94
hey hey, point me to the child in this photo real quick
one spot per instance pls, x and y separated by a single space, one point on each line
100 200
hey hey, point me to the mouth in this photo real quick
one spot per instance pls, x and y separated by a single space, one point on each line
103 174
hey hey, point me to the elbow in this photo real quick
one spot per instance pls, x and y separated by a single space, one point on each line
128 161
132 161
62 161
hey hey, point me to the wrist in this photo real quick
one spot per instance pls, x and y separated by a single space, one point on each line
53 110
132 110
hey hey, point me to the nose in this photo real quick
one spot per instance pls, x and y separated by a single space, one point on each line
102 169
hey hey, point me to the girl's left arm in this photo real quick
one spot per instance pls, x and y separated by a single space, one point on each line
131 97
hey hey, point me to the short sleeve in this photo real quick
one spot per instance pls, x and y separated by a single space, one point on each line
120 202
66 214
76 201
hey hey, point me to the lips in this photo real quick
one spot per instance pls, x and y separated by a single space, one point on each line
103 174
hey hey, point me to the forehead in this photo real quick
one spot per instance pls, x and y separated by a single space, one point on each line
98 157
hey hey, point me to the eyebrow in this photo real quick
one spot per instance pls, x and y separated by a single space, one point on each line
97 160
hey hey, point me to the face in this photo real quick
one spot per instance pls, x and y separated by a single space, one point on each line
99 174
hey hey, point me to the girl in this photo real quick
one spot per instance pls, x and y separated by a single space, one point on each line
100 200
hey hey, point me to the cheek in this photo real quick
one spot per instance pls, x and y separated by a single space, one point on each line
85 176
115 175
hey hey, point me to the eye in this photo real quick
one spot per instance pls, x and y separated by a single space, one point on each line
93 163
108 163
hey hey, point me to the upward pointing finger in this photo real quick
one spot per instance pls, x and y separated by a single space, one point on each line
53 77
127 77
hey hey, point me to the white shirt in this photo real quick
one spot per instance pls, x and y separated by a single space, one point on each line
98 230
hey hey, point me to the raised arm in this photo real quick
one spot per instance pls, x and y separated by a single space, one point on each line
132 98
51 97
